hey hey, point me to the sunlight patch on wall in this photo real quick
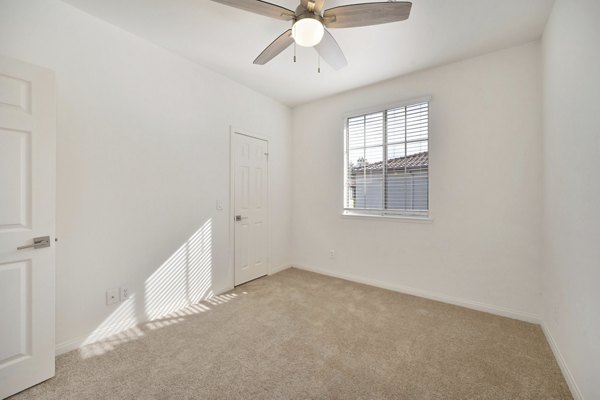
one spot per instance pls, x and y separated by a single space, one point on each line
184 279
172 292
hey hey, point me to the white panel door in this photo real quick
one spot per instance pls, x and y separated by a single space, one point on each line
251 207
27 192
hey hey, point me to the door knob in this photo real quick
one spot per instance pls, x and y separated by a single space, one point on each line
38 243
239 218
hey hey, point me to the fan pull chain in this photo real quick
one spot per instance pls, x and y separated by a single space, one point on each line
318 63
294 51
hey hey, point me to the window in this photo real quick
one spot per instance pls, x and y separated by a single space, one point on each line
387 162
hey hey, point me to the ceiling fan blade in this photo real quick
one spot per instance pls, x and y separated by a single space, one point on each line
272 50
260 7
330 51
366 14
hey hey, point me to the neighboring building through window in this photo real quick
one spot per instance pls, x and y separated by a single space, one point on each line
387 162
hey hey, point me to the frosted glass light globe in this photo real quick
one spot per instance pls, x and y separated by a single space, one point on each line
308 32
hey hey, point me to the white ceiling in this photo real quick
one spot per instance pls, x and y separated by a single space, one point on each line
227 40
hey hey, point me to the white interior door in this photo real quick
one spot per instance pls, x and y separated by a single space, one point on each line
27 192
251 207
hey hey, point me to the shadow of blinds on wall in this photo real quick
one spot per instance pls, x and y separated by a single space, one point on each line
387 162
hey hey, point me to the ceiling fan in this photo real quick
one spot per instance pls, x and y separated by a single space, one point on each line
309 23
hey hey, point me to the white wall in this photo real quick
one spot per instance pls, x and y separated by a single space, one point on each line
143 142
483 246
571 264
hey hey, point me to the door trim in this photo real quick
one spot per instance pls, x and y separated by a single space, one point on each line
238 131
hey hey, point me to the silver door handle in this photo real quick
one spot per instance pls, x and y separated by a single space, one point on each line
38 243
239 218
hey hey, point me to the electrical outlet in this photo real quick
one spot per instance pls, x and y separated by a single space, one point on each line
125 293
112 296
331 254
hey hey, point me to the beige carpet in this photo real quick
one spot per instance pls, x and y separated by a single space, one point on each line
299 335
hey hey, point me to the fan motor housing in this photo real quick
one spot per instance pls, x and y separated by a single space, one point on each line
302 13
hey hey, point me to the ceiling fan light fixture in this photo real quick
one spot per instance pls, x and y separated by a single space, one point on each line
309 22
308 32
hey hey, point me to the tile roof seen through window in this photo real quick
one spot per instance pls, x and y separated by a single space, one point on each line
418 160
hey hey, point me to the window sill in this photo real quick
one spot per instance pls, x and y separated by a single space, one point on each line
404 218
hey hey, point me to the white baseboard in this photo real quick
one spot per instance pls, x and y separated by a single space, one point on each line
69 345
577 395
475 305
274 270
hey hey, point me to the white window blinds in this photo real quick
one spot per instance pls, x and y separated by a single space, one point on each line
387 162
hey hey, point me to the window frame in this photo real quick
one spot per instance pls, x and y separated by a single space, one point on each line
401 215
